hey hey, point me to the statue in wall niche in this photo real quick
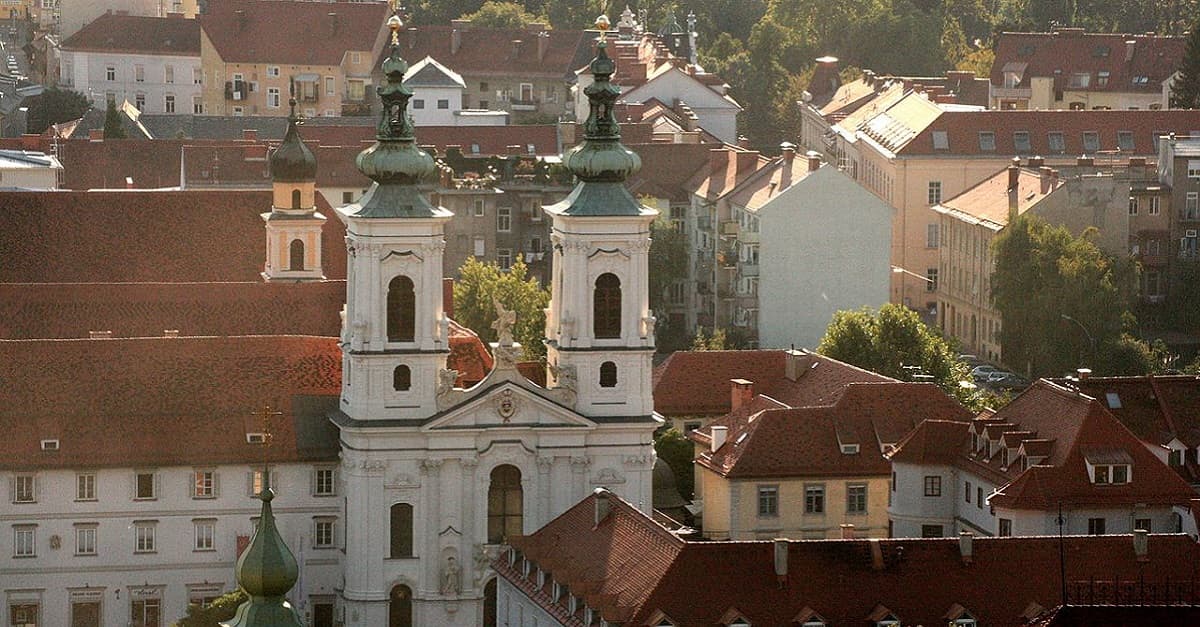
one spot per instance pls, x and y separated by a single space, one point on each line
503 325
446 378
358 334
451 577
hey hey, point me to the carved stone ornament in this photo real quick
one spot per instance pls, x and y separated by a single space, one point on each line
608 476
445 381
373 465
402 480
506 404
431 466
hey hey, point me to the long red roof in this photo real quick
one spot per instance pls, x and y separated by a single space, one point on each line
265 31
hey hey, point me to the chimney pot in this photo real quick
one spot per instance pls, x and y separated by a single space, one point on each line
1036 162
781 560
742 392
603 506
847 531
543 44
718 160
719 433
814 160
1084 373
966 546
1141 545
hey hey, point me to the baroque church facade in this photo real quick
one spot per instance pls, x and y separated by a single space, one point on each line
437 477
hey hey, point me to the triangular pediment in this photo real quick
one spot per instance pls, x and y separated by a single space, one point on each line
507 404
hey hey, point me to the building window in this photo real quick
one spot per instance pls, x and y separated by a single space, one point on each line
145 613
608 375
273 97
931 531
941 140
967 492
1175 458
198 105
1021 143
1193 168
329 86
504 258
110 73
259 482
85 539
1056 142
85 487
933 485
1080 80
323 533
504 219
478 206
206 531
814 499
606 307
401 310
1142 523
1133 205
1191 206
1155 205
934 195
273 71
139 73
856 499
505 504
24 490
418 103
987 141
143 536
1111 474
239 112
355 90
1096 526
931 279
401 525
139 101
324 482
400 607
442 103
144 486
768 500
169 103
205 484
480 247
24 541
197 76
401 378
1005 527
979 498
1125 141
1091 141
932 231
168 74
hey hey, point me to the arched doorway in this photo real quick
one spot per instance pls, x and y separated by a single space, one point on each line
489 604
400 607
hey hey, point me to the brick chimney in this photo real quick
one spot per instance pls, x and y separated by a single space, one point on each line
788 149
1130 48
1085 161
1083 374
966 546
719 433
847 531
1141 545
603 505
1036 162
746 160
742 391
333 23
796 363
718 160
543 43
1014 177
877 562
516 48
814 160
455 38
781 561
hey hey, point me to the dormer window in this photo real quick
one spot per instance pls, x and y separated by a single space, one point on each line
987 141
941 141
849 449
1114 400
1111 474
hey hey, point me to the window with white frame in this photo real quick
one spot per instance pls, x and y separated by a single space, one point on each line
477 208
504 258
204 484
197 105
934 194
479 247
85 538
1155 205
768 500
85 486
24 488
814 499
856 499
110 73
205 534
168 74
145 486
931 234
139 73
1191 206
143 536
504 219
323 532
1133 205
197 76
323 482
1111 474
24 540
1193 168
169 103
273 97
933 485
273 71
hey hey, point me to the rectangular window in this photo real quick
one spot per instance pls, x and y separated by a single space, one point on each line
323 532
355 90
324 482
273 71
144 485
1005 527
1155 205
931 531
24 614
979 498
504 219
934 194
1080 80
1193 168
442 103
204 485
169 103
143 537
941 140
273 97
197 105
206 531
197 76
168 74
987 141
139 73
85 539
145 612
967 492
768 500
1143 524
814 499
257 484
856 499
1096 526
110 73
24 489
1102 78
478 207
1091 141
1021 142
1191 206
418 103
24 541
480 248
85 487
1125 141
1120 474
1056 142
139 101
933 485
1133 205
504 258
932 233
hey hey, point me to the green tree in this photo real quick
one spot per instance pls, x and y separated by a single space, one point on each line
54 106
1185 91
574 14
500 14
668 264
480 282
705 342
113 127
211 615
677 451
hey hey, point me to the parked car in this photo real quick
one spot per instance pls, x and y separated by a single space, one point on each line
1008 381
980 373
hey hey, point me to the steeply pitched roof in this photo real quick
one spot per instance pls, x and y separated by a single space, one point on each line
429 73
493 51
632 571
264 31
1067 51
697 382
987 202
136 34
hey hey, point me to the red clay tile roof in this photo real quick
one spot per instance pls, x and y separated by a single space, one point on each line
666 169
933 442
632 570
162 401
1060 54
135 34
697 382
468 356
144 236
988 200
807 441
1155 408
265 31
490 51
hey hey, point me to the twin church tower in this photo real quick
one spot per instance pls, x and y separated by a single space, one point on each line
436 477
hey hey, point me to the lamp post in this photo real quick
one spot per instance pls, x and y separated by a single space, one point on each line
1091 340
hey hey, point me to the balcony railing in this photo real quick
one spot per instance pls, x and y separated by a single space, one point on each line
748 237
748 270
1012 92
524 105
729 227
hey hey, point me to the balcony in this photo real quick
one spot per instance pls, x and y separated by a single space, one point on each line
524 105
1009 93
748 237
729 227
748 270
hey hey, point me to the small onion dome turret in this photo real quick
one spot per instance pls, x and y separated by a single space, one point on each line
293 162
266 571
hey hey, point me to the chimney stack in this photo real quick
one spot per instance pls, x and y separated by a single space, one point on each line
1141 545
170 332
719 433
742 393
240 17
448 298
966 546
876 554
412 37
781 560
333 23
1085 161
814 160
543 43
847 531
1037 162
789 151
455 39
603 505
1014 176
516 48
796 363
718 160
1084 373
1130 47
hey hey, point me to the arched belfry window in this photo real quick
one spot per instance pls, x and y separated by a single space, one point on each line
608 375
296 255
296 199
400 607
401 378
402 530
606 307
505 504
401 310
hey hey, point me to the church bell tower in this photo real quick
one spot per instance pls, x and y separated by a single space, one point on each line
293 224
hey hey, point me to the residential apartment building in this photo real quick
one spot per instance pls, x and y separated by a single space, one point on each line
438 97
251 56
75 14
964 582
151 62
1071 69
1179 174
767 470
1052 452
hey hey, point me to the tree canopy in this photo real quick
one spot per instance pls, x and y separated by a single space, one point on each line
113 128
222 608
668 264
1185 91
480 282
55 106
501 14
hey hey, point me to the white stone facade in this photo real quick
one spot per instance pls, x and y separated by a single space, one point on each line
162 83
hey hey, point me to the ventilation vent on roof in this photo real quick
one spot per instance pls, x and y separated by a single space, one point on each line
1114 401
256 438
100 335
849 449
49 445
170 332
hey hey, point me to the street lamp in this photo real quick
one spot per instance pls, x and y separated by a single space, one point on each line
1091 340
